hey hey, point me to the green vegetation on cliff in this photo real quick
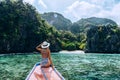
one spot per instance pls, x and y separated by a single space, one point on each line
22 28
57 20
103 39
84 24
19 26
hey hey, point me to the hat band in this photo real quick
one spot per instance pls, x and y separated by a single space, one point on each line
45 45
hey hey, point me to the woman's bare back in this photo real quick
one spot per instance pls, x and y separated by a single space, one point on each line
44 53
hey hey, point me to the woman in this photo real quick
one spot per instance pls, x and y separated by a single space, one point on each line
45 52
46 58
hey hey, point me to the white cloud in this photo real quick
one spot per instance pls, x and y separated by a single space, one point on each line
82 9
106 4
43 4
115 13
29 1
36 2
77 9
95 8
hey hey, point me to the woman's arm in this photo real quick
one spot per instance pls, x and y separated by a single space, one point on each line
38 47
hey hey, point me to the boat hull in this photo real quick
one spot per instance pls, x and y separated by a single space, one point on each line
38 73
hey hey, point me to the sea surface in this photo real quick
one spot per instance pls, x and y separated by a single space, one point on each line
72 66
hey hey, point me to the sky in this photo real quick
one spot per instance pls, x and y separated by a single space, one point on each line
77 9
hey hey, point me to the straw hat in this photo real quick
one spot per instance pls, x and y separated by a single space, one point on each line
45 44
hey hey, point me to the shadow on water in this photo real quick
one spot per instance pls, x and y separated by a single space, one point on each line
71 66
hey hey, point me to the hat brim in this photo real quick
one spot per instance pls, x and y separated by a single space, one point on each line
45 46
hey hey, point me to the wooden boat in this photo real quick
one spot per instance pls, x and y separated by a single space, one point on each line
38 73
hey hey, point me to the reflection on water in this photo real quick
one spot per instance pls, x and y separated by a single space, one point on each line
71 66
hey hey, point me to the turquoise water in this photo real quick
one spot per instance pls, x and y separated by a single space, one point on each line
71 66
